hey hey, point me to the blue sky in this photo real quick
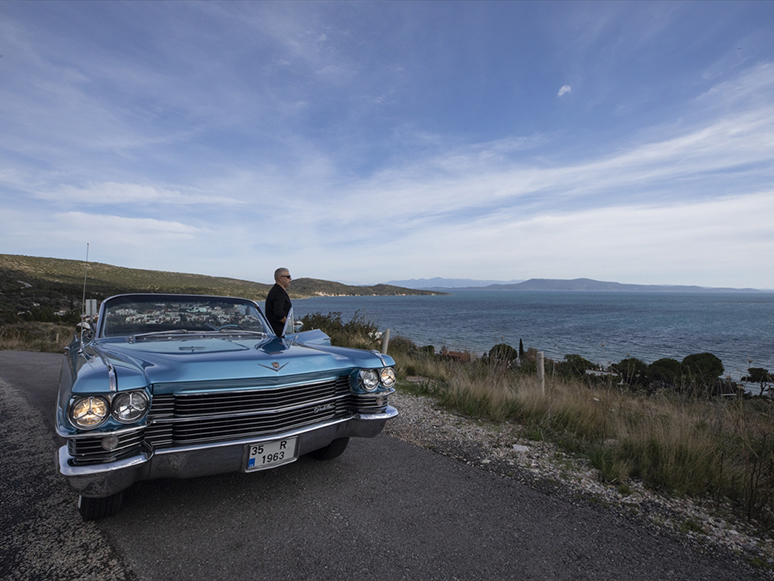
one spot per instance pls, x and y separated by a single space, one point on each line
373 141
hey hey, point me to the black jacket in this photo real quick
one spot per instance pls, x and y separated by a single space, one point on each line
277 308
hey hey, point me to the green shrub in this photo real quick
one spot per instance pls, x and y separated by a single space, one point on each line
667 372
633 372
703 371
503 352
359 332
573 366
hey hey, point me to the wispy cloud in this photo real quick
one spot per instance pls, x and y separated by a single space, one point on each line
131 195
360 142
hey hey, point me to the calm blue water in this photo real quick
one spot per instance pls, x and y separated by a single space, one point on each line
601 326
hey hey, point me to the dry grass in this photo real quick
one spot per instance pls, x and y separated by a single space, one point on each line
36 336
719 449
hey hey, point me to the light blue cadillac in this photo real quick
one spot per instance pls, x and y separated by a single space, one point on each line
177 386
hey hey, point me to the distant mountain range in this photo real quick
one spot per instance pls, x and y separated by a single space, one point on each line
448 283
547 284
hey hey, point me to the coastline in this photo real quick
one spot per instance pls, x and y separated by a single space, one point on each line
603 327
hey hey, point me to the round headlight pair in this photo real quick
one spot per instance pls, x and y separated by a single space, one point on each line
91 411
371 378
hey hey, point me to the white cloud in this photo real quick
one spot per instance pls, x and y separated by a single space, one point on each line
713 243
120 230
112 193
311 141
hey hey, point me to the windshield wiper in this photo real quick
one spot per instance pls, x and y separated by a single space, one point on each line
161 333
241 332
199 332
234 328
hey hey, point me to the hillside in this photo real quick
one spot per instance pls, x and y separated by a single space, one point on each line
28 282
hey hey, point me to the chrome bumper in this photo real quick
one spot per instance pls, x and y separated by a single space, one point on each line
101 480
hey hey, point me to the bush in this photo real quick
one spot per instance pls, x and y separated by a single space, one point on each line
667 372
573 366
633 371
399 344
703 371
503 352
358 332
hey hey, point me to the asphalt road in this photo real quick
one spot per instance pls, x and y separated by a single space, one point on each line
384 510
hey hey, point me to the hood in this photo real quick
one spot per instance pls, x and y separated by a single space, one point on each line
202 359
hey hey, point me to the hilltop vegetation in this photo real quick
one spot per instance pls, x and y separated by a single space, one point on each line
39 288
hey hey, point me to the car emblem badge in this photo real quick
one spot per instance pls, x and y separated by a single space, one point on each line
275 366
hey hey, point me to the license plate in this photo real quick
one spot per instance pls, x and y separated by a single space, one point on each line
264 455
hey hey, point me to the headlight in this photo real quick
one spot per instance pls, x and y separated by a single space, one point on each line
89 412
130 407
369 380
387 375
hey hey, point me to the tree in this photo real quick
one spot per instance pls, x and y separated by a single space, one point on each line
760 376
503 352
703 370
667 372
573 366
633 371
521 349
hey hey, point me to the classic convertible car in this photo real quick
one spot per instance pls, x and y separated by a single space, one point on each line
177 386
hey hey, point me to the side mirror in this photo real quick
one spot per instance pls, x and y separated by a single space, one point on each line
292 325
84 332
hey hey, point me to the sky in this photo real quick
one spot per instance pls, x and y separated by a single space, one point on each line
364 142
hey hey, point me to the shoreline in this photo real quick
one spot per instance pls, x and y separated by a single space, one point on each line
602 327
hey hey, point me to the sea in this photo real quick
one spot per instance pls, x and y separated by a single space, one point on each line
603 327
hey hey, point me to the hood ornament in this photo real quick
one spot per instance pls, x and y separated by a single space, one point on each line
275 366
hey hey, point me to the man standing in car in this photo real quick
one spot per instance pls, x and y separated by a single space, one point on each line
278 302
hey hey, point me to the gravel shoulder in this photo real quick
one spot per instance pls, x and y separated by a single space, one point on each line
502 448
43 535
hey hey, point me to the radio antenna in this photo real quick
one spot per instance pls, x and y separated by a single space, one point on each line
83 313
83 316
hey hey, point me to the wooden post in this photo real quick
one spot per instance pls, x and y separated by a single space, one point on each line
385 341
541 371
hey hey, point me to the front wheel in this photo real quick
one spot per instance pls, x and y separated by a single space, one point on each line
331 451
97 508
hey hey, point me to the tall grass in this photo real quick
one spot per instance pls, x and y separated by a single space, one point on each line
718 449
35 336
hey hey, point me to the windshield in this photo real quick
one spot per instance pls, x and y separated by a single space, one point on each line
138 314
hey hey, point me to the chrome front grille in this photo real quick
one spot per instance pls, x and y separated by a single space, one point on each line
192 418
370 403
89 450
